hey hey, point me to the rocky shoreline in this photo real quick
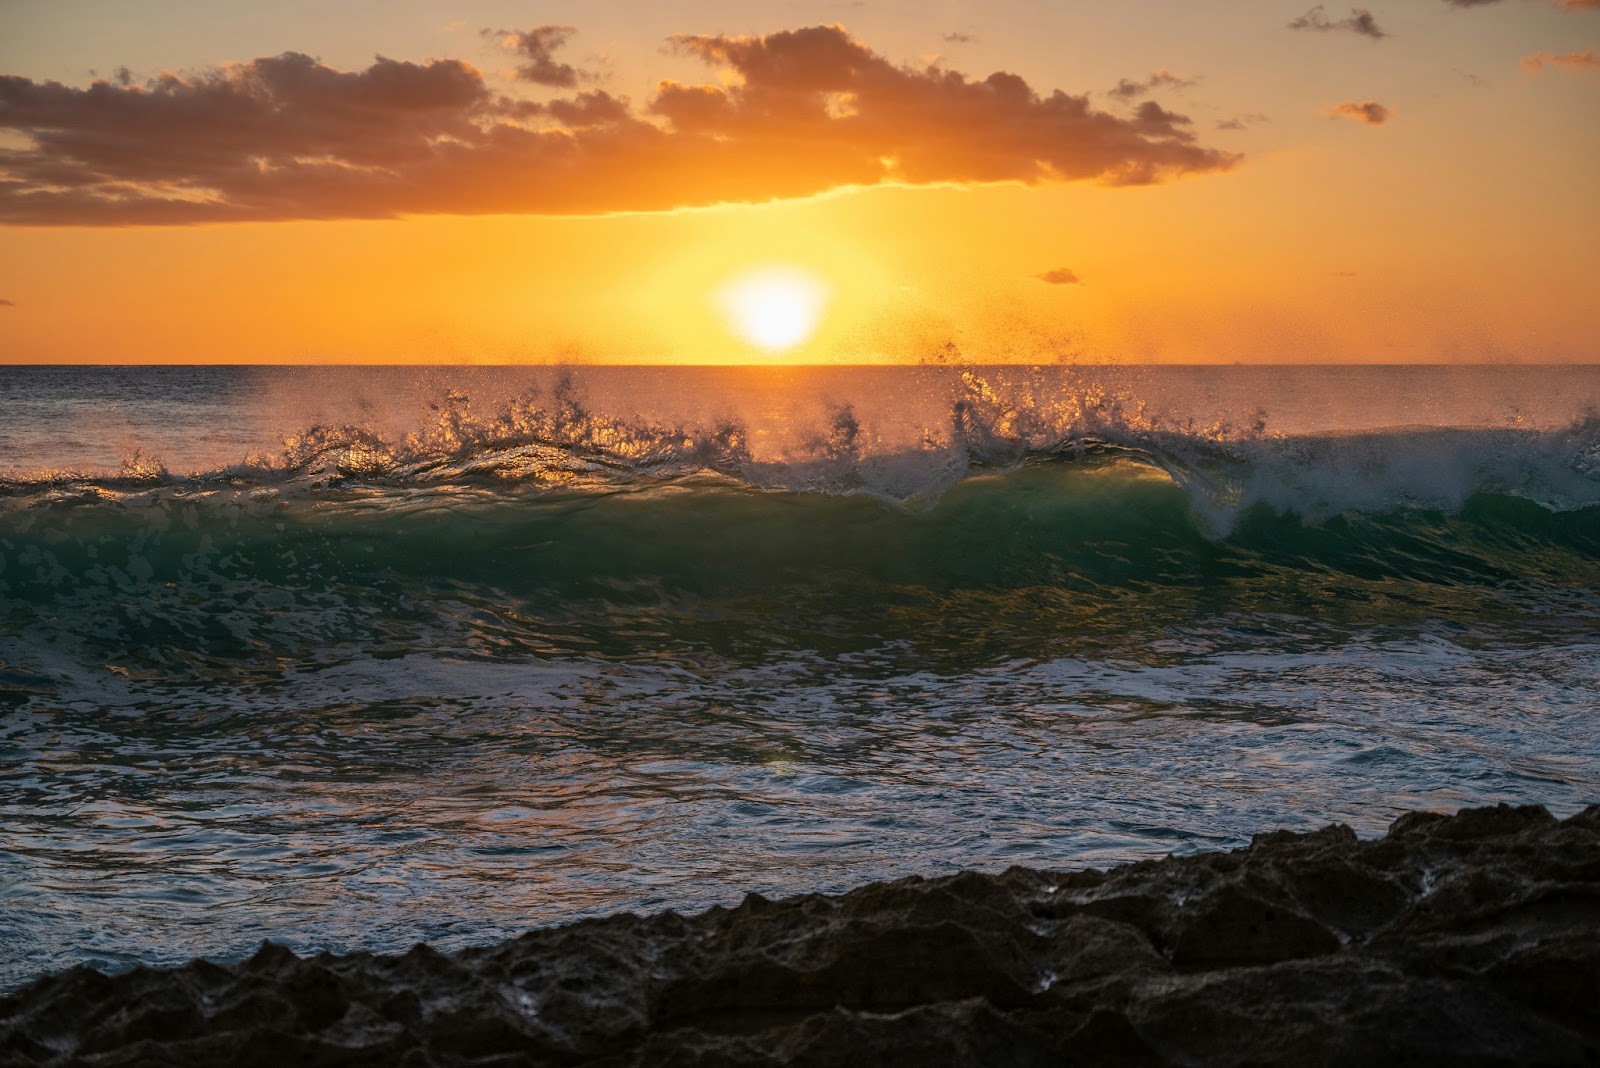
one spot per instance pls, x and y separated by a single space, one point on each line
1465 939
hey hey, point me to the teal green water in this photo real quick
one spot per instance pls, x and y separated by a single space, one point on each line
372 688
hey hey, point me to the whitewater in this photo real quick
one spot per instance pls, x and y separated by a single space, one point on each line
351 658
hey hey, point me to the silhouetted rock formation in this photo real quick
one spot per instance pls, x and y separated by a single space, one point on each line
1468 939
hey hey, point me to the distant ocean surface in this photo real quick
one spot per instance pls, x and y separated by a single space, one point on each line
351 658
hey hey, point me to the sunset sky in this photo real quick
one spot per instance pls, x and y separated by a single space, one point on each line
409 181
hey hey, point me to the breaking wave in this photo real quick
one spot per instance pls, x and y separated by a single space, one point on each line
537 442
545 529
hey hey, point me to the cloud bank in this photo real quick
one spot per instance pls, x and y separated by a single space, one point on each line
794 113
1061 276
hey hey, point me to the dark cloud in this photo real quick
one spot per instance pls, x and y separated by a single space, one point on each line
1157 121
594 108
1368 111
538 46
231 123
1359 21
792 114
7 303
1128 89
1579 61
921 124
1061 276
960 38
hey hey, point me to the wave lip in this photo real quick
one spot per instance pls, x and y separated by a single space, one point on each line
535 442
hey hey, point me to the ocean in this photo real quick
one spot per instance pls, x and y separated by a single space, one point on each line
351 658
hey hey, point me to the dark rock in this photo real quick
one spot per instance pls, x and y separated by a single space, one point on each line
1233 926
1465 939
1558 978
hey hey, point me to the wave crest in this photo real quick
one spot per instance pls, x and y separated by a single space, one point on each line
540 441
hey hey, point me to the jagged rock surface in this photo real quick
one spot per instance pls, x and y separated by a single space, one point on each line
1468 939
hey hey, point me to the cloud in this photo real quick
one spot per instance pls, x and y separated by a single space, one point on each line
960 38
594 108
1569 5
1579 61
1061 276
7 303
788 114
538 46
1245 121
1359 21
1127 89
1368 111
1157 121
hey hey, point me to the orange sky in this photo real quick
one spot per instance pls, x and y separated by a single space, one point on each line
1294 185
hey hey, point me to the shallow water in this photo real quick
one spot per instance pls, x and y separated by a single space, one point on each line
352 658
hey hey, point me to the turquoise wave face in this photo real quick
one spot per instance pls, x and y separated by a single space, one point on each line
1060 553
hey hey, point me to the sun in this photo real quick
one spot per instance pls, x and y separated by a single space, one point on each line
775 308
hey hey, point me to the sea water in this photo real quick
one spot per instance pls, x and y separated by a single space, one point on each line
355 657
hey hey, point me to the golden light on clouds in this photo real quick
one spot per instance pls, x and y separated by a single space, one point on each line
511 193
776 307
